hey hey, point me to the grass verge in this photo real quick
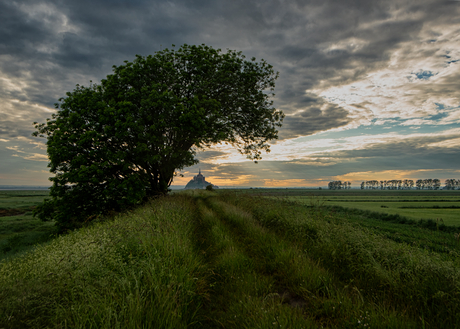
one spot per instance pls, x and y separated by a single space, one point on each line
138 270
229 260
418 282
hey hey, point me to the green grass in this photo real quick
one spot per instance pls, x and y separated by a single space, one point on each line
19 230
135 271
417 210
232 260
406 276
427 235
22 199
449 216
413 204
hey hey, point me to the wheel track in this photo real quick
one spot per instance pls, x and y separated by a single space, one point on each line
240 283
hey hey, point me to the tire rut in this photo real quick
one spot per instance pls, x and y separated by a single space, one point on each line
237 272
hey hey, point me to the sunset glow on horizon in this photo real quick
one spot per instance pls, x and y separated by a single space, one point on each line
370 92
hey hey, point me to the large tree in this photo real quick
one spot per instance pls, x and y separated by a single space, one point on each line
114 144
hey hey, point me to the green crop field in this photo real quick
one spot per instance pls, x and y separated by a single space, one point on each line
232 259
443 206
21 200
19 230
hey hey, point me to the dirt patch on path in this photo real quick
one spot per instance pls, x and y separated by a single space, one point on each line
12 212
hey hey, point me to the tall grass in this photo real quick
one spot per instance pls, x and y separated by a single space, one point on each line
300 282
138 270
416 281
430 224
229 260
240 295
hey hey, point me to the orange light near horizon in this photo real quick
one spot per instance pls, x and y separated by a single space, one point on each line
358 177
242 180
292 183
354 177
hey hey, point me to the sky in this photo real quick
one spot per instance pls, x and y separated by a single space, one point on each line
370 89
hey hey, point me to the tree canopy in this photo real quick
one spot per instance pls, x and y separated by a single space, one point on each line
114 144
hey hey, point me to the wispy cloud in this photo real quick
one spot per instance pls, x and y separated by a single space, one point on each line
344 67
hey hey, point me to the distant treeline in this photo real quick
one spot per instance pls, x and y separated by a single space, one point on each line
339 185
397 184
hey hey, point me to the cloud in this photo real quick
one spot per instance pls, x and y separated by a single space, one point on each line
37 157
320 116
390 65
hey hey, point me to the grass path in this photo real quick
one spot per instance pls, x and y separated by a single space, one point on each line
223 260
260 280
245 291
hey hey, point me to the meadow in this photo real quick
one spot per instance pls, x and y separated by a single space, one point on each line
440 205
232 259
19 230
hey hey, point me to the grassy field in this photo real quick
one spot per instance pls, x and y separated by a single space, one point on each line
19 231
413 204
233 260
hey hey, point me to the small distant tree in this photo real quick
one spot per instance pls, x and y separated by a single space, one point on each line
385 185
112 146
338 184
428 183
394 184
334 185
373 184
211 188
411 183
452 184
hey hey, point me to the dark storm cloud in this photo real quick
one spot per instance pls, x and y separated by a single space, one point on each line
414 153
10 129
108 32
209 154
319 117
413 147
19 35
48 46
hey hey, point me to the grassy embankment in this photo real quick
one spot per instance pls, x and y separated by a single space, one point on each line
234 261
19 230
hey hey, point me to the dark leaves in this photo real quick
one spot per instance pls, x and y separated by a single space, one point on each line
113 145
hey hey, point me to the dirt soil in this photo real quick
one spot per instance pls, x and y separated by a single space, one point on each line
11 212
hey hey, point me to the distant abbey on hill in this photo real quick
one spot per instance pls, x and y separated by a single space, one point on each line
198 181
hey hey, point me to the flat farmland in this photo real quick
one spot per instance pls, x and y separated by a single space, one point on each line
413 204
19 230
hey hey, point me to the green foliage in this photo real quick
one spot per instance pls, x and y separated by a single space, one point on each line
209 188
113 145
